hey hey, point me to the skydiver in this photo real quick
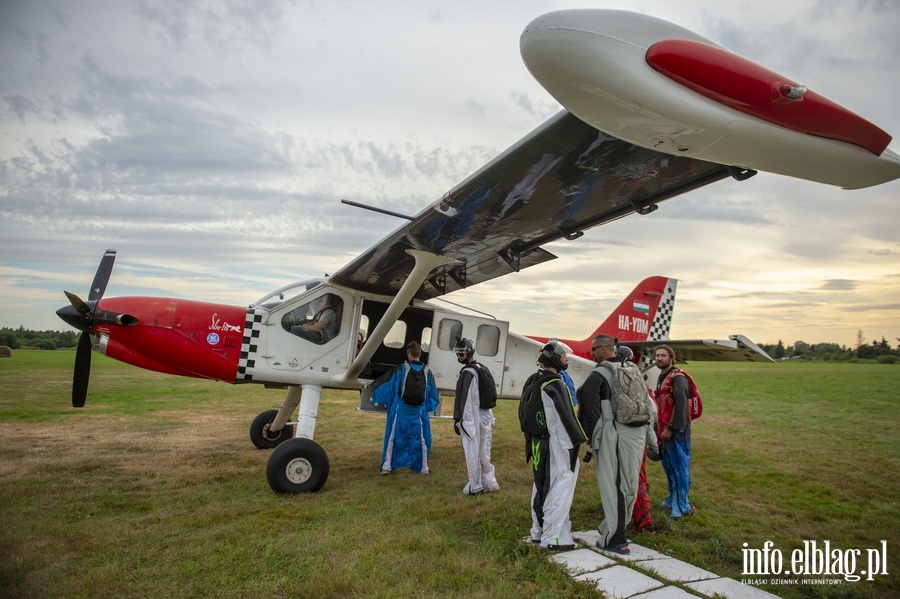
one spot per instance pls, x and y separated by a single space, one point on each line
552 439
473 419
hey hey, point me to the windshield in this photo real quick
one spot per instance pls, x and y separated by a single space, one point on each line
287 292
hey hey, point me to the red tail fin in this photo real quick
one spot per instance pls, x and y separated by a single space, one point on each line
646 313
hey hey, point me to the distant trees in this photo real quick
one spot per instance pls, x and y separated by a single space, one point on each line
22 338
877 350
778 351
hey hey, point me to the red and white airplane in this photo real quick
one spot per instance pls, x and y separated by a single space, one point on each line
652 111
643 320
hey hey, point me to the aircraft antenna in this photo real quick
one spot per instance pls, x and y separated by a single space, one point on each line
374 209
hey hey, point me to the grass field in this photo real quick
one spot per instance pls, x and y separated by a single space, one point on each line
153 490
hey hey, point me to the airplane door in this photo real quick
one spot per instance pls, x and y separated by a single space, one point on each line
488 335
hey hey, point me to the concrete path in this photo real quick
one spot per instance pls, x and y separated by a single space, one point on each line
647 574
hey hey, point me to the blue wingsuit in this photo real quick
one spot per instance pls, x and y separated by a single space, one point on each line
407 430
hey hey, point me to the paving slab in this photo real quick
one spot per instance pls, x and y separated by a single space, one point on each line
623 581
582 560
619 582
728 588
675 570
636 552
586 537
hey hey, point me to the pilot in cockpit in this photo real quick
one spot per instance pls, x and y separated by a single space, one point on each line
323 325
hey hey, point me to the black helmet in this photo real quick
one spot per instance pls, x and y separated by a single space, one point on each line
624 354
464 347
552 354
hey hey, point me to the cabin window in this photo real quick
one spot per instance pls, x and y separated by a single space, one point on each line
426 339
449 333
487 343
318 321
362 333
396 337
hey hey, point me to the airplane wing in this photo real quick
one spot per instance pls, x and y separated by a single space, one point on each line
736 348
556 182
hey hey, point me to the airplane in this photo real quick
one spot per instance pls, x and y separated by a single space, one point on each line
650 111
643 320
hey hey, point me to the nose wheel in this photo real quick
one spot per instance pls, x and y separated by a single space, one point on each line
297 466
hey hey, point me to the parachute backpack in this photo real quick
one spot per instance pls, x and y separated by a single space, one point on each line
630 400
487 388
415 383
532 419
695 402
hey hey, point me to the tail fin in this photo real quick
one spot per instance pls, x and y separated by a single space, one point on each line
646 313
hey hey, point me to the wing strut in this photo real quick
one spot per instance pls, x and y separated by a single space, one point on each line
425 263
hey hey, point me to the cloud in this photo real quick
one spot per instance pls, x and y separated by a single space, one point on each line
211 143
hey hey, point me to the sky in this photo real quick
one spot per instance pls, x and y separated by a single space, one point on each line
210 144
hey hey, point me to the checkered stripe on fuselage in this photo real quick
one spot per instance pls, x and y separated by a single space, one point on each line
249 345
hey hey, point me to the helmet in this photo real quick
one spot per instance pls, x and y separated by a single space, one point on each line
464 347
624 354
553 353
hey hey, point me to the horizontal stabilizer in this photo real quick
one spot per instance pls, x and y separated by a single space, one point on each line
736 348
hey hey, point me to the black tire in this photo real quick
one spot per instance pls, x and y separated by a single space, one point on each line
260 435
297 466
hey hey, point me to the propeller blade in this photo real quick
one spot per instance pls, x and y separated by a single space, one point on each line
101 279
78 304
81 316
82 371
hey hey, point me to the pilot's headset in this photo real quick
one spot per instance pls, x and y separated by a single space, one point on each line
553 353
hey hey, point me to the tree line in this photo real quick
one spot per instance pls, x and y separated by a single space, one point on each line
882 351
22 338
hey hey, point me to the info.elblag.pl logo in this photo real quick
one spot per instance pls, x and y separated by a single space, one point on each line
814 559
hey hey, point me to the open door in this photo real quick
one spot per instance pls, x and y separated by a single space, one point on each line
488 335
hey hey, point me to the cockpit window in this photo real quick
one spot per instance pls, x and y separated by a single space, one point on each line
287 293
318 321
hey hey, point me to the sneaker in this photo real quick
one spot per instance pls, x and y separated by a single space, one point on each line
467 490
384 472
619 549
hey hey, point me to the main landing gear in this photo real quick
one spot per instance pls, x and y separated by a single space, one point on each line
298 464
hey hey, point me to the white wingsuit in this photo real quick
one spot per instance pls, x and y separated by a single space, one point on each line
554 458
475 426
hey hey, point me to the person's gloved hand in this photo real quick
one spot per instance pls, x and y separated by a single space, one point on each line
652 455
456 427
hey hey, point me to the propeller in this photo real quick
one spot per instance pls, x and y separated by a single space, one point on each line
80 314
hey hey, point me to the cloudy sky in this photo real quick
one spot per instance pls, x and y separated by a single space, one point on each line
210 143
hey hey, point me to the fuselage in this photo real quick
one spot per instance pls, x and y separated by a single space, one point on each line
261 343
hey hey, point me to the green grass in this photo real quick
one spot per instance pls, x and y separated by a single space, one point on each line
153 489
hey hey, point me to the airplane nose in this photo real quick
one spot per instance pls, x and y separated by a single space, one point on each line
74 318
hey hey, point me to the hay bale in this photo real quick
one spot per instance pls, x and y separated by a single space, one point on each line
5 352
